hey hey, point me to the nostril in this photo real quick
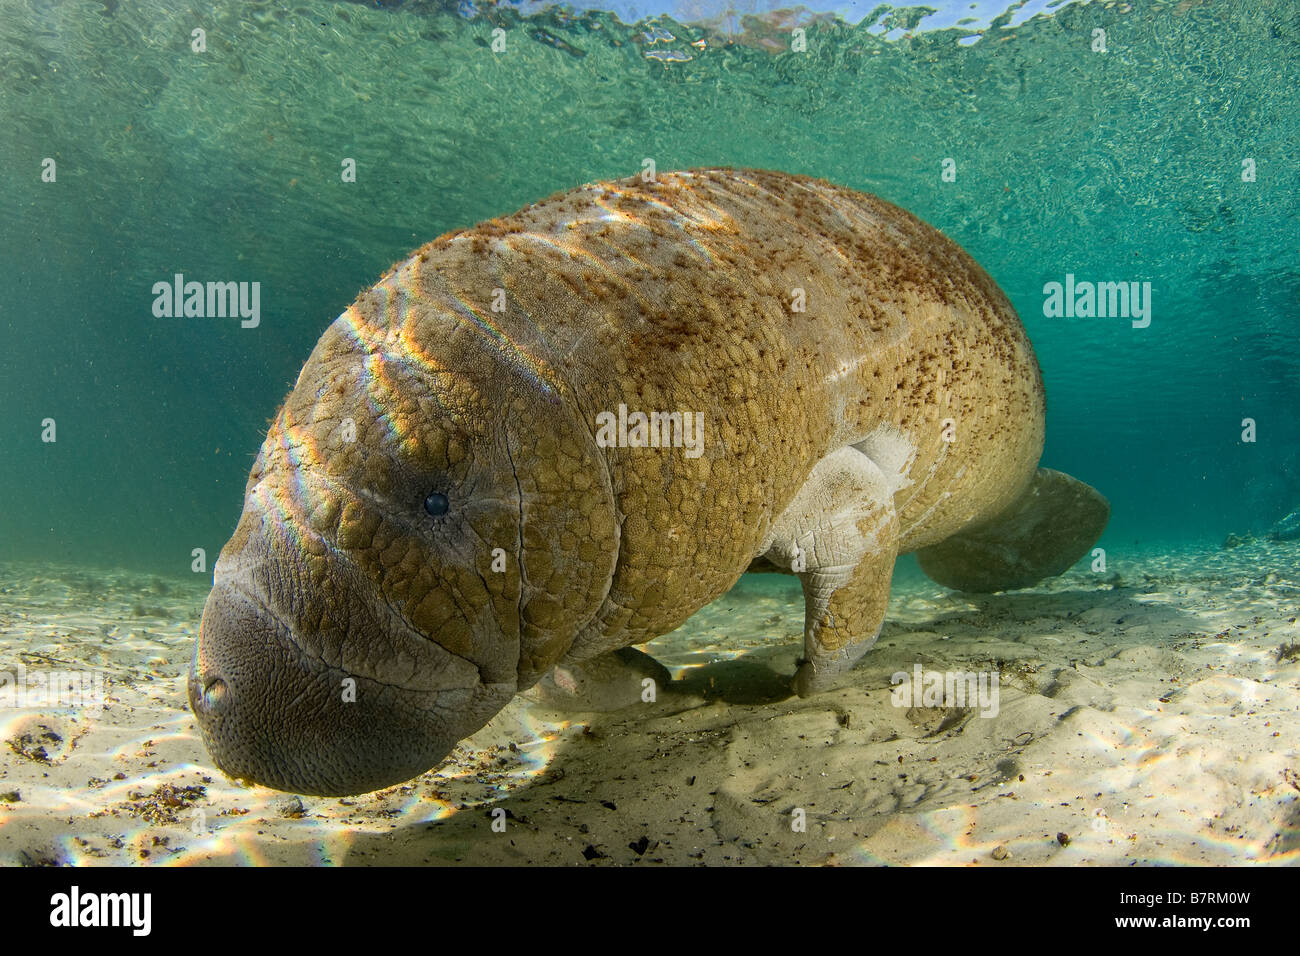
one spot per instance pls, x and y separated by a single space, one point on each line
214 695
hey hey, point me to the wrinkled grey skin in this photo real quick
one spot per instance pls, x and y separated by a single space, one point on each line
289 728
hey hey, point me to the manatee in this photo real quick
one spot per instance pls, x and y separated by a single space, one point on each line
559 433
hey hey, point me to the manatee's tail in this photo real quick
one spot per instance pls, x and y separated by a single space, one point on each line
1052 525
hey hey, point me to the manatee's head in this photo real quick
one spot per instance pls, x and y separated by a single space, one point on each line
425 529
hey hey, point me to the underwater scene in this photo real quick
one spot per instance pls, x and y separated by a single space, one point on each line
650 433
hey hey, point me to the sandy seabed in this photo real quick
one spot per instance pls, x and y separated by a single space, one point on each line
1147 715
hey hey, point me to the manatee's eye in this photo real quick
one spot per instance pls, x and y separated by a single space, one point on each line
436 504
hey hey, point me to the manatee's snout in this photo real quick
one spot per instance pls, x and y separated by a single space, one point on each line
273 715
274 709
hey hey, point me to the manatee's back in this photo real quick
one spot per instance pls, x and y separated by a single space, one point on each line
797 317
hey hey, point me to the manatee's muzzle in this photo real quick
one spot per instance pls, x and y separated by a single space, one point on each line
276 715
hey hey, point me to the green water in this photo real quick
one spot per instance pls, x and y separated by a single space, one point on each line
225 165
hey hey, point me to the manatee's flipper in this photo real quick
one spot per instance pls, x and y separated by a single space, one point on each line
606 682
840 537
1051 526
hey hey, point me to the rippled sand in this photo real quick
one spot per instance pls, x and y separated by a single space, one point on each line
1147 715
